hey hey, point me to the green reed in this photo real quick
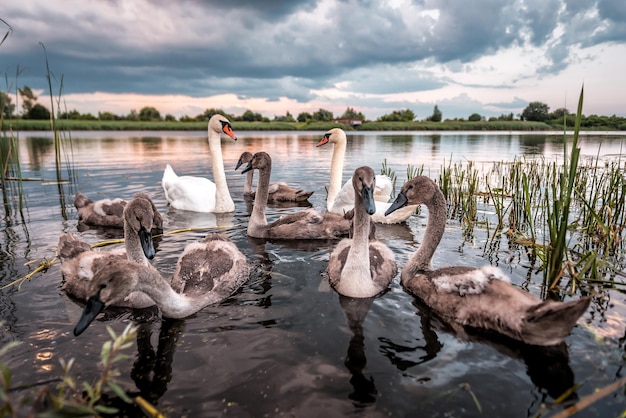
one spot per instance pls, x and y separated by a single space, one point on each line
387 171
569 216
66 397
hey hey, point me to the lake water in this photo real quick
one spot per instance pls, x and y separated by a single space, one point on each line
283 344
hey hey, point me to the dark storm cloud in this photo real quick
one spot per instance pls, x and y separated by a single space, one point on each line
285 48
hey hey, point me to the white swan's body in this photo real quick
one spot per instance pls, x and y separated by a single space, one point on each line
223 269
306 224
199 194
79 262
481 297
358 267
340 198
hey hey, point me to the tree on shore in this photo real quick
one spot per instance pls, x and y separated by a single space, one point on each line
406 115
149 113
28 99
536 111
437 116
6 107
322 115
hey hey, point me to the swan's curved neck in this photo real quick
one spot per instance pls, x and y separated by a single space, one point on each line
361 226
223 201
134 252
336 173
257 218
422 259
358 260
172 304
247 186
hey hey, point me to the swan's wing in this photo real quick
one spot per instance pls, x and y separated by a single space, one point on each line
191 193
281 192
215 265
384 188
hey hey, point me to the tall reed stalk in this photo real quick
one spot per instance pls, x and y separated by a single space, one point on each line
558 210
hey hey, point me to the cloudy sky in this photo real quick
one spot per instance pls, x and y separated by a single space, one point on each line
272 56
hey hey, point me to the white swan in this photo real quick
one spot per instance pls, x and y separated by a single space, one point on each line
341 199
360 268
79 262
482 297
222 270
199 194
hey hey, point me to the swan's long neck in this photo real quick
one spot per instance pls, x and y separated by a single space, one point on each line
422 259
134 252
357 267
247 186
172 304
223 201
336 173
257 218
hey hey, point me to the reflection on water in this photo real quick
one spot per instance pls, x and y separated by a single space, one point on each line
283 344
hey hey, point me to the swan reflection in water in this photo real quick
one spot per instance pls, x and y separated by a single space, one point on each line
355 310
547 366
152 369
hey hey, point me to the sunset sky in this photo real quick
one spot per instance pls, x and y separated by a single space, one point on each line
272 56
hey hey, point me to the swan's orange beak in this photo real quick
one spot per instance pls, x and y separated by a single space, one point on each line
324 140
229 131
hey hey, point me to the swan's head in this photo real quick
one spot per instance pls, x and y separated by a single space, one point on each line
139 218
416 191
219 124
260 161
112 283
245 157
333 136
364 182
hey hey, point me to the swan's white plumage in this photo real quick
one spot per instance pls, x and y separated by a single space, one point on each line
199 194
340 199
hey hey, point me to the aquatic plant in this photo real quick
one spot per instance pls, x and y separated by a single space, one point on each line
65 396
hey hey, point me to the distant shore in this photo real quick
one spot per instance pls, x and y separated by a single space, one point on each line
98 125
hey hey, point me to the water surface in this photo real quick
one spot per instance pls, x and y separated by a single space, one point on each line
286 344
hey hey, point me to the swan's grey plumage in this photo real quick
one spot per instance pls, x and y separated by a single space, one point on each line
79 262
199 194
108 213
306 224
482 297
360 267
207 273
340 198
277 192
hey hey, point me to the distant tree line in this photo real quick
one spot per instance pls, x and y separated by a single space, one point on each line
535 111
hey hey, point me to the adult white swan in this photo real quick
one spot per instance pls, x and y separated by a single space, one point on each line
199 194
358 267
481 297
341 199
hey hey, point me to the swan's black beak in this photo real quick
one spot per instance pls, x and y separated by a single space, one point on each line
239 163
367 193
400 202
146 243
93 307
248 168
